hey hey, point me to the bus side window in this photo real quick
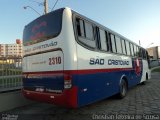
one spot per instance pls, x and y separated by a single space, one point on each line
135 50
118 45
128 48
144 54
123 47
89 31
139 52
85 33
113 44
80 27
132 52
103 40
97 37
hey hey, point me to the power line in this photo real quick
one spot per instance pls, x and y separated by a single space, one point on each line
54 5
39 3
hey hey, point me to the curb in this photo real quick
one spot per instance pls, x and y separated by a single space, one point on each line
154 68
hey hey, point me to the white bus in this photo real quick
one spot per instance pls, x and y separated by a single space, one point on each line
72 61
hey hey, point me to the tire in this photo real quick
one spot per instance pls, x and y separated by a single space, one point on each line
144 82
123 89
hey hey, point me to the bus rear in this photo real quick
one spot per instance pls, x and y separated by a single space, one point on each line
43 62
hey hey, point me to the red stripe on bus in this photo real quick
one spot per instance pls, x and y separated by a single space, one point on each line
87 71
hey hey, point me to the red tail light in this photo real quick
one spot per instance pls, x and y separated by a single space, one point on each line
67 81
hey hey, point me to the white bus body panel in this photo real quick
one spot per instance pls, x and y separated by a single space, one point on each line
64 41
50 61
84 56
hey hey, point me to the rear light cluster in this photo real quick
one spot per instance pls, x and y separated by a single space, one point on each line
67 81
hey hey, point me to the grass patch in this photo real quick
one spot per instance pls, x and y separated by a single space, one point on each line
156 70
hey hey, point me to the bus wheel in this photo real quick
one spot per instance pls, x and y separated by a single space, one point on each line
123 89
144 82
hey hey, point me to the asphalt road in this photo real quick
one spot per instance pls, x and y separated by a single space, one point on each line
141 102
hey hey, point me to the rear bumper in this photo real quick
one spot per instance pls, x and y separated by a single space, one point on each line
67 99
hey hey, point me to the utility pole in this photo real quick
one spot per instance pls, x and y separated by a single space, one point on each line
45 6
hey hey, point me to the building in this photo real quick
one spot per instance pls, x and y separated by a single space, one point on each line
11 50
154 52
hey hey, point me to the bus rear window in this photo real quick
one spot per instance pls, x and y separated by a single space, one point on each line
43 28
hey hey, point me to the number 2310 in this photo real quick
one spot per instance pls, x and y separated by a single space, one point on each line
55 60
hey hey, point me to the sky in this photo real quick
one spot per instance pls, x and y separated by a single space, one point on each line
133 19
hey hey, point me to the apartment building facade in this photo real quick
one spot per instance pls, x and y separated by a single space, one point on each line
11 50
154 52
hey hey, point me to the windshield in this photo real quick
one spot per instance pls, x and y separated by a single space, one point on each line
43 28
